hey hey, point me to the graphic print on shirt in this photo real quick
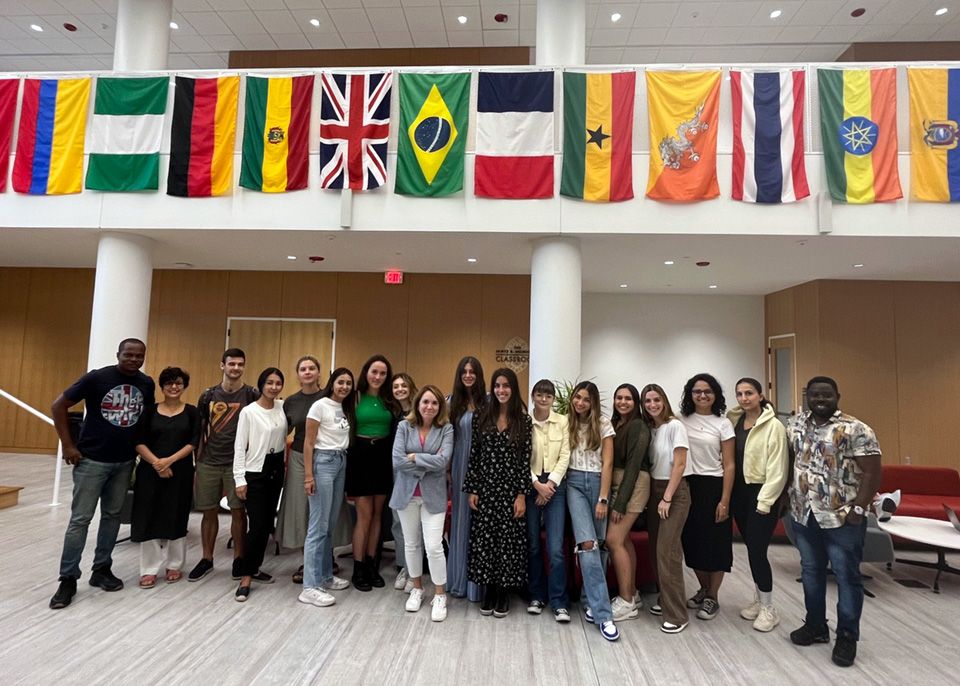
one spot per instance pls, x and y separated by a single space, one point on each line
340 419
122 405
221 414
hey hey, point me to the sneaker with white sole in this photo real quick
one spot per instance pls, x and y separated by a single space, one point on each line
696 601
316 596
752 611
609 630
408 585
709 609
588 614
401 581
670 628
767 620
562 615
438 608
415 600
638 600
656 610
623 610
535 607
336 584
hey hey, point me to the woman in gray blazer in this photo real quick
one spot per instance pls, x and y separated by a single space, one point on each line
421 455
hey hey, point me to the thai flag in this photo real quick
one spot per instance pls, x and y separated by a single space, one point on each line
514 155
768 162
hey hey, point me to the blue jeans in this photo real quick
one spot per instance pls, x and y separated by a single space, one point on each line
106 482
329 471
554 514
583 491
843 549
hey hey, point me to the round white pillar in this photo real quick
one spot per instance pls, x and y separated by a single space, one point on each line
555 292
121 295
561 32
143 35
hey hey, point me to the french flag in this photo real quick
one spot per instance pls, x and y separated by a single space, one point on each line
514 154
768 164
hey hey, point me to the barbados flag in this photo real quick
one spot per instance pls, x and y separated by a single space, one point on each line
934 134
53 119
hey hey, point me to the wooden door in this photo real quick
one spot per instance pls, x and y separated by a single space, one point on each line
782 375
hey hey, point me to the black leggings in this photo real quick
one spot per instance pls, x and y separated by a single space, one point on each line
756 530
263 493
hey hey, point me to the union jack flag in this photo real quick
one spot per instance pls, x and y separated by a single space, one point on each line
354 125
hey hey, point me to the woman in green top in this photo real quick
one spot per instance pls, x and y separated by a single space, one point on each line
370 466
628 497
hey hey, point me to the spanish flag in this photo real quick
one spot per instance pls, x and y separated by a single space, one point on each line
202 136
598 136
683 108
934 134
275 133
858 125
53 119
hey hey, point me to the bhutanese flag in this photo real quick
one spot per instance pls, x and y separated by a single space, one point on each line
202 136
858 125
8 107
684 110
53 117
598 136
276 130
934 134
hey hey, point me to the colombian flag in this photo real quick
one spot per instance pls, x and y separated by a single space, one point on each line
275 133
598 136
934 134
858 125
684 111
53 118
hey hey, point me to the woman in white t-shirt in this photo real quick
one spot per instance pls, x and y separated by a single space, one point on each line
708 534
326 440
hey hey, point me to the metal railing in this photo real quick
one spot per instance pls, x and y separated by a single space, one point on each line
40 415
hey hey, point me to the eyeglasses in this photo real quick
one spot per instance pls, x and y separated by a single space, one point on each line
697 391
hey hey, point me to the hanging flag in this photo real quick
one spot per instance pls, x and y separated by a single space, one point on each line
276 132
433 133
598 136
202 136
514 135
8 107
683 108
934 134
53 117
858 125
768 136
354 127
125 133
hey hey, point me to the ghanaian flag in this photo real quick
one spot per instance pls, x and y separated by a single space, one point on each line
598 136
275 133
934 134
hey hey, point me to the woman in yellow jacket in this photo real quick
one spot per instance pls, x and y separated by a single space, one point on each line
762 464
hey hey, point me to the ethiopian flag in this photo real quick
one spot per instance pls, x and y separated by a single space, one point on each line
934 134
598 136
858 125
275 133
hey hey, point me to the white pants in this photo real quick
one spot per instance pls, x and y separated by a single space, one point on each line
161 554
414 519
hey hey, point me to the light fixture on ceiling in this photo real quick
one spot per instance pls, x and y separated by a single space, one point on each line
615 17
471 260
36 27
859 12
776 14
668 262
713 285
174 25
291 257
942 11
315 22
623 285
462 19
858 265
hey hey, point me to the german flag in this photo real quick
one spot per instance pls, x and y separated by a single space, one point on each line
202 136
275 133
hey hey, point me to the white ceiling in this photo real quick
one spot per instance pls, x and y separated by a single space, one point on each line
649 31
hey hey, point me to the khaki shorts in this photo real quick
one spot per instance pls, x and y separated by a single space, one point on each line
213 482
641 491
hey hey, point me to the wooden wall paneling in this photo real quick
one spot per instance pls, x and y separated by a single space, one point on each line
311 295
928 372
371 318
260 341
254 294
778 313
806 308
304 338
444 325
505 314
14 292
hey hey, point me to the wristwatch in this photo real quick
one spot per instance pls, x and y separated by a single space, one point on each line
601 501
858 510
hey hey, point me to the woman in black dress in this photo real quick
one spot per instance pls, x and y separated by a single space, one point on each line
163 490
497 481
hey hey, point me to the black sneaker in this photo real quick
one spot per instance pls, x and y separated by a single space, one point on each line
237 570
844 650
489 599
808 635
502 607
243 592
204 567
65 592
104 578
262 578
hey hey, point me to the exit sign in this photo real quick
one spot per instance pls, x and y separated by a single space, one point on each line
393 277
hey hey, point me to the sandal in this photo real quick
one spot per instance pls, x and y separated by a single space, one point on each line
173 575
298 575
148 581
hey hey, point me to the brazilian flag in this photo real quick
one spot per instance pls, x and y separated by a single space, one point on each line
433 133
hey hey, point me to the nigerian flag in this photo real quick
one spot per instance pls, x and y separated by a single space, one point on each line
125 133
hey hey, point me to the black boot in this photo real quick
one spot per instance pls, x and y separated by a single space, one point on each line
488 594
373 569
360 580
502 608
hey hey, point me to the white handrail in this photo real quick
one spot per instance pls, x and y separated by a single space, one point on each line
40 415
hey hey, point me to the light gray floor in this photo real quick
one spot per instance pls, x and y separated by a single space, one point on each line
195 633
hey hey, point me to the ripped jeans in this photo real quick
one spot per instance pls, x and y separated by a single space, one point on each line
583 491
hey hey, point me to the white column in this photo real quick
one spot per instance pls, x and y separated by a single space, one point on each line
121 295
555 293
561 32
142 42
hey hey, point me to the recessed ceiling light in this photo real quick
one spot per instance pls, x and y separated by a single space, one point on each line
471 259
615 17
859 12
942 11
623 285
291 257
174 25
858 265
775 14
315 22
713 285
668 262
36 27
462 19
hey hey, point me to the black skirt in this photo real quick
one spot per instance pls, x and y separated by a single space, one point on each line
707 545
370 467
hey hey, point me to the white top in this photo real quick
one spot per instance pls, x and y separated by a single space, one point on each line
587 460
705 433
334 430
259 431
935 532
663 441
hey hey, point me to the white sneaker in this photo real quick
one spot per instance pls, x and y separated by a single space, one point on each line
336 584
401 581
438 609
609 631
316 596
623 609
408 585
638 600
767 620
415 600
752 611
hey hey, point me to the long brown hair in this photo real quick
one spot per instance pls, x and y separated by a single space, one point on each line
592 420
462 396
667 409
516 408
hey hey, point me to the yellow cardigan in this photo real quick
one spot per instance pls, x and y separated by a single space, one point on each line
765 455
551 448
